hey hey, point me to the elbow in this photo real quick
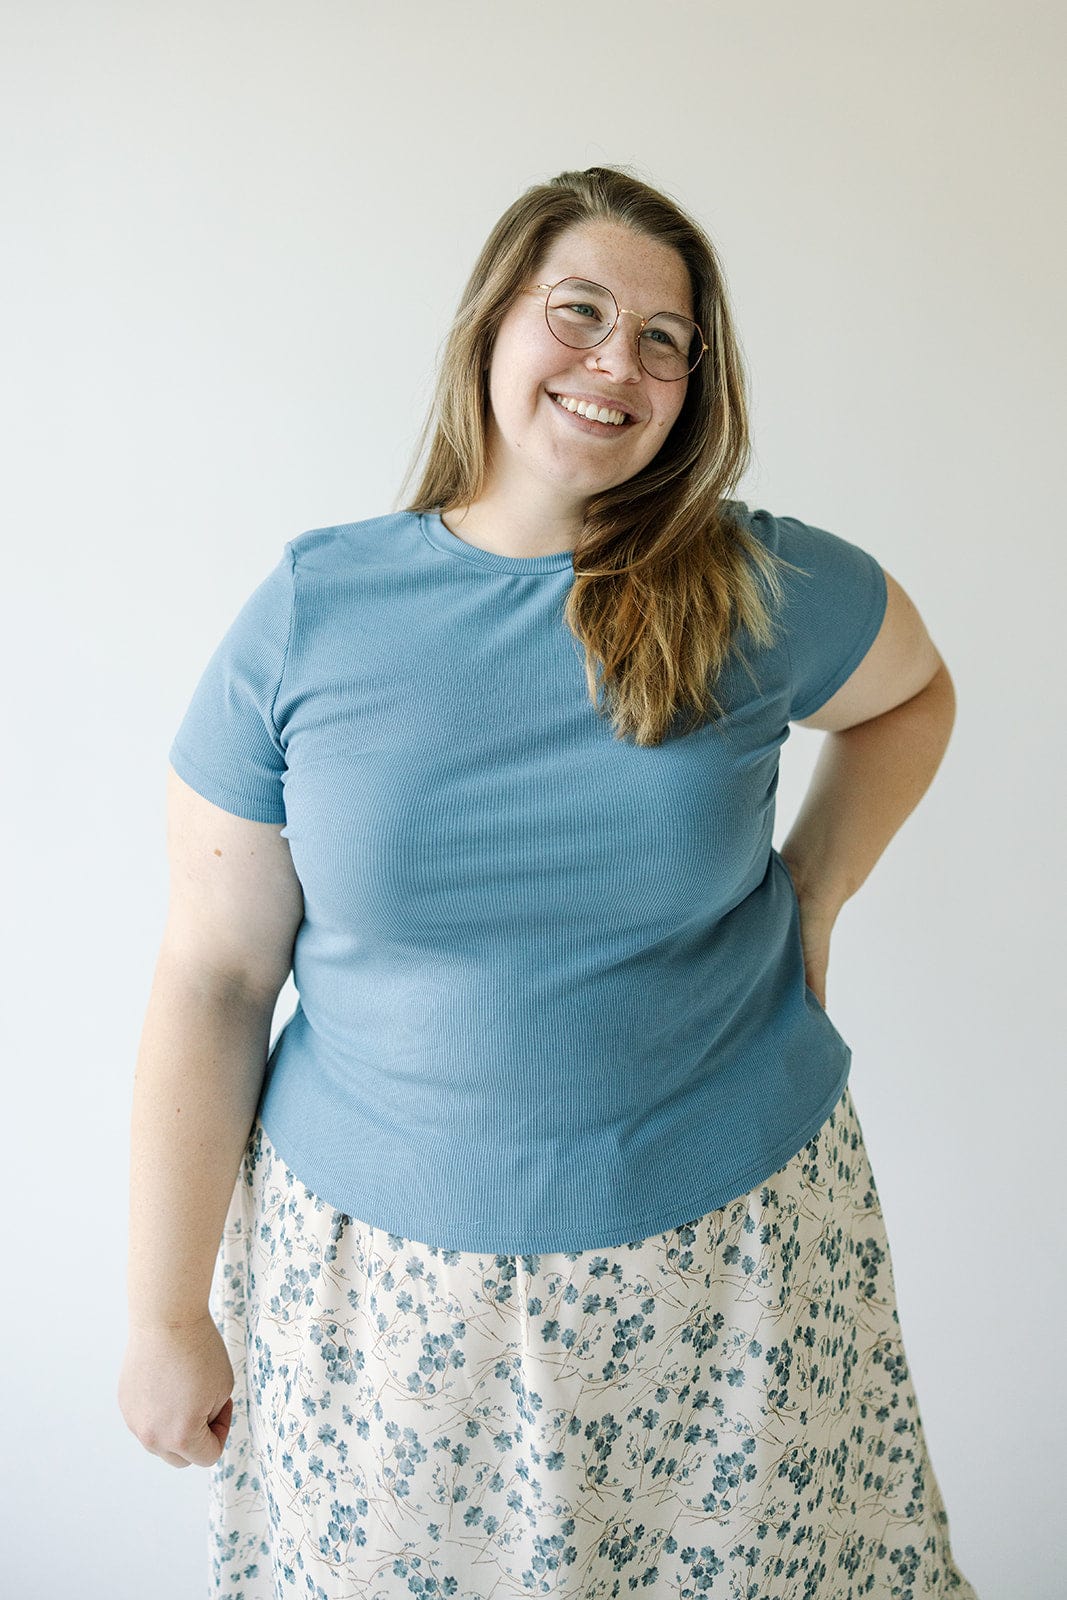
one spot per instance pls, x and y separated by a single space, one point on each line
944 678
941 691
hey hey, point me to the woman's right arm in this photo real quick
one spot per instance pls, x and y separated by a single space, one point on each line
235 907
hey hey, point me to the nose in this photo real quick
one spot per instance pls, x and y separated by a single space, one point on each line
617 353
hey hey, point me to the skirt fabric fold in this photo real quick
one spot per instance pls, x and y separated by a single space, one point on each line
722 1410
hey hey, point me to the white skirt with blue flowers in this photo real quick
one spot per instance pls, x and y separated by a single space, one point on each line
722 1410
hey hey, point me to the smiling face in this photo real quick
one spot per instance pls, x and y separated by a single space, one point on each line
535 446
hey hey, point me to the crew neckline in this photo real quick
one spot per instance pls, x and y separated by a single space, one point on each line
443 538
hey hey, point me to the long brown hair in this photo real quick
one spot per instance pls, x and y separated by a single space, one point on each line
665 571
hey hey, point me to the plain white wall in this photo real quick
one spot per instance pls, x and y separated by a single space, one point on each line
204 211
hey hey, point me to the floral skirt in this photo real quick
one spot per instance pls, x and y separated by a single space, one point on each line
721 1410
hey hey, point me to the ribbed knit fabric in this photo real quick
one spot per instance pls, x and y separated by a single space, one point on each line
552 991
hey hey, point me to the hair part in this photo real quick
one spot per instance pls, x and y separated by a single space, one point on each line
666 573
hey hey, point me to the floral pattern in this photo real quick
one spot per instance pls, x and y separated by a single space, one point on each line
722 1410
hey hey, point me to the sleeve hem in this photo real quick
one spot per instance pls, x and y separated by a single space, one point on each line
831 685
245 803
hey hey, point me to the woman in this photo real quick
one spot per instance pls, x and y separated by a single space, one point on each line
554 1263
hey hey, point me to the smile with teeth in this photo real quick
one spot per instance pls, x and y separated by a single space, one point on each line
592 413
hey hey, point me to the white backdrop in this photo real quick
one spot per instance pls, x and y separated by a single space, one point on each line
204 209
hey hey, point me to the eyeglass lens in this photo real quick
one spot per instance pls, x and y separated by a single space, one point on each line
581 314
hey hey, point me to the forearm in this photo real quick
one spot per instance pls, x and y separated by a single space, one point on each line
199 1072
867 780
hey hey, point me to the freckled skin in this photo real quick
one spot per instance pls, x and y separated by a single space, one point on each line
542 470
527 360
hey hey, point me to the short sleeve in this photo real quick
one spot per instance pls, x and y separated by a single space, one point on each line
227 746
834 607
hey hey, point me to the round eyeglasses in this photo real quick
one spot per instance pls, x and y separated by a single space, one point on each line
582 314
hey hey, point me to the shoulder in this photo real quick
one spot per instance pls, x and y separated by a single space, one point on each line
802 546
824 577
337 547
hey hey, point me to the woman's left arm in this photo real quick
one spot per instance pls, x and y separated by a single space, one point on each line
887 729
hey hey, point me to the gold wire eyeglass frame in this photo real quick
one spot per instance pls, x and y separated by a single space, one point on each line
619 312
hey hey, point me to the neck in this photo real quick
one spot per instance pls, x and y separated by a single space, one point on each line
530 519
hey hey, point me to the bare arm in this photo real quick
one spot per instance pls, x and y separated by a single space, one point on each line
235 907
887 728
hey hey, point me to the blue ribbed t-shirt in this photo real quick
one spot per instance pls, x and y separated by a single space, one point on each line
551 983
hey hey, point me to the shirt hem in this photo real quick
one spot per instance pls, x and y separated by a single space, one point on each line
653 1225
